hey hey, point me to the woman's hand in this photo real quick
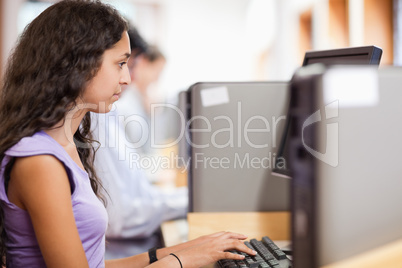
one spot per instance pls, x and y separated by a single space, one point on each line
211 248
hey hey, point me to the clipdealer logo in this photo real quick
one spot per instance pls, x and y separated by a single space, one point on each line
331 154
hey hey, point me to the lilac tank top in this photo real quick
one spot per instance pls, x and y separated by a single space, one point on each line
89 213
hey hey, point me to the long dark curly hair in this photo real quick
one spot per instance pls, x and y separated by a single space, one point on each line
58 53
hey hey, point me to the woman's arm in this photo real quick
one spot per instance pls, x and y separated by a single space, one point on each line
39 185
193 254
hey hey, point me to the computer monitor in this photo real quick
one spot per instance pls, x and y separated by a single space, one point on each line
345 155
364 55
233 128
352 55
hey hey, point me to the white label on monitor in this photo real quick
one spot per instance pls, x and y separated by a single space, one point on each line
353 87
214 96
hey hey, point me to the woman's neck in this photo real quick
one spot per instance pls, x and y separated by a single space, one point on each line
63 132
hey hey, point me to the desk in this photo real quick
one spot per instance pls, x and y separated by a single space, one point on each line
389 256
253 224
174 232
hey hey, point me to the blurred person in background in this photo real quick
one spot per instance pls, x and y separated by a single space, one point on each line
139 97
150 124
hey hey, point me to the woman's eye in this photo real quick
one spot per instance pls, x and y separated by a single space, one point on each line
121 64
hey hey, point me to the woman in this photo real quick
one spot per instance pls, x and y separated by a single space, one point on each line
71 60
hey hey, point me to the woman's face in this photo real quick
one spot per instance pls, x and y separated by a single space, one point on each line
105 87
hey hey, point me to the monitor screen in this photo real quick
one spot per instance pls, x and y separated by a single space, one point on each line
351 55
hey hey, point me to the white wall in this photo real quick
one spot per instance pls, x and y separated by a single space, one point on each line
211 40
10 26
205 41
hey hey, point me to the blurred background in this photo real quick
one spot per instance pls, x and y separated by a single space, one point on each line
236 40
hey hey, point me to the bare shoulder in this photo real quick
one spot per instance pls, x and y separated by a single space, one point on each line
37 167
37 161
31 175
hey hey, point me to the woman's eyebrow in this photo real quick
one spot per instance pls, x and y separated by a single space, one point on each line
126 55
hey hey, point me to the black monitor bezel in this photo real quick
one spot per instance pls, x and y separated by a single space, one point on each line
373 53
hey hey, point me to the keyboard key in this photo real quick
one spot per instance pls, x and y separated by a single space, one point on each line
228 264
279 254
273 262
266 240
258 259
241 264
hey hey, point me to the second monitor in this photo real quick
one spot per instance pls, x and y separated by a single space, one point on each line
350 55
235 129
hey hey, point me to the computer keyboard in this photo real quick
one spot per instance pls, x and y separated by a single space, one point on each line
268 255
